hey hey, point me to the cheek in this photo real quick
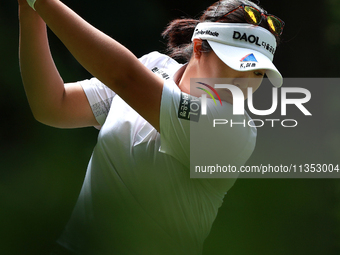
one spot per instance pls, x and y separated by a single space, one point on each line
254 84
219 70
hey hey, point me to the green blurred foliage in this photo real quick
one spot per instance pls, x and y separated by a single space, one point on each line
42 168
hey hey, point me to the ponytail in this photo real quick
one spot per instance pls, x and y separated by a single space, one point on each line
178 34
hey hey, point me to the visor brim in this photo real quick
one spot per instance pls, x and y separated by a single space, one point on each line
244 59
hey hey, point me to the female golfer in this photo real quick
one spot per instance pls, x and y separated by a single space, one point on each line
137 196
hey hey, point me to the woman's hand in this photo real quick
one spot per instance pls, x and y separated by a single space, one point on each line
24 4
24 9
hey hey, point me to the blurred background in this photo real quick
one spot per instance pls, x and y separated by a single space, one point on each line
42 168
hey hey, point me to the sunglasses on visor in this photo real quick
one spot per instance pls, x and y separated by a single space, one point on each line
255 16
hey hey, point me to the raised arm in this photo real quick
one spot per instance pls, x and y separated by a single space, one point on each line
105 59
50 101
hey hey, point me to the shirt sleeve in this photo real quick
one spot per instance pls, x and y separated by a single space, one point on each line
195 140
175 136
100 98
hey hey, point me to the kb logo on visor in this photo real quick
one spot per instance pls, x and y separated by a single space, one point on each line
248 61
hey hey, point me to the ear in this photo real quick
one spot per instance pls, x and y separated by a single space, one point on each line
197 48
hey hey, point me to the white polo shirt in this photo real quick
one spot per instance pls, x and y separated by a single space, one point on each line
137 196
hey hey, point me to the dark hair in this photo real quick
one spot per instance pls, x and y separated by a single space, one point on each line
179 31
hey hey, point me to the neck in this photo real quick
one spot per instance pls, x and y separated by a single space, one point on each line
183 75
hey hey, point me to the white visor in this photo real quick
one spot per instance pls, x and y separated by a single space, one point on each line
243 47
